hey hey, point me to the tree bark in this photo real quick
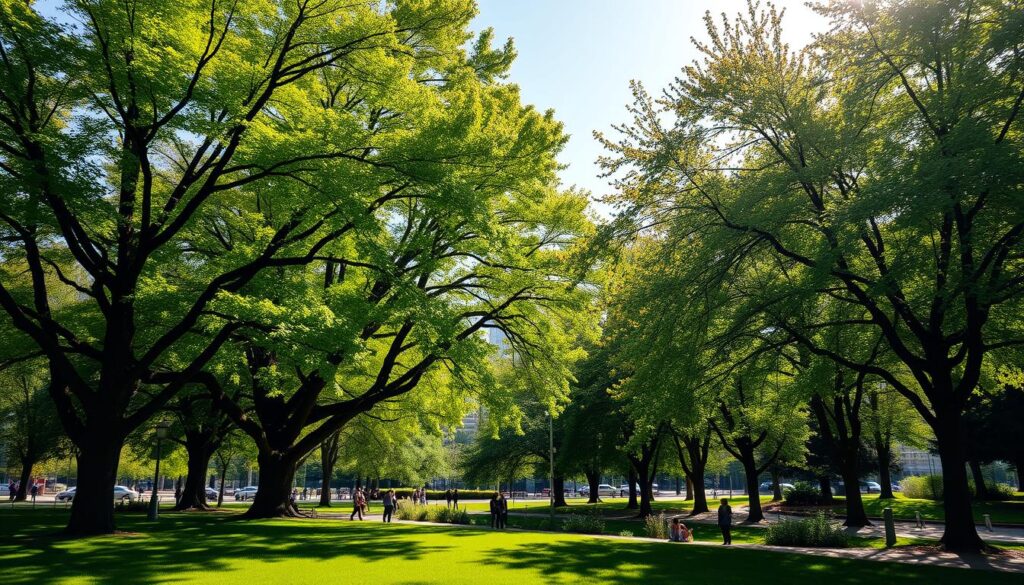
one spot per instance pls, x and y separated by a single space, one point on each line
689 489
200 451
825 485
755 513
277 471
92 509
328 458
559 491
776 488
632 503
884 473
593 480
960 534
855 514
26 477
980 489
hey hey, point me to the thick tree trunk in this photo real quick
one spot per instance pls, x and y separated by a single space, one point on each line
593 480
632 503
193 495
689 489
92 510
277 472
980 489
855 514
559 491
755 513
960 534
645 494
776 487
884 473
328 457
26 477
825 486
325 486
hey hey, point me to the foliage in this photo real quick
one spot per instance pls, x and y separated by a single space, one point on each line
816 531
447 515
626 533
925 487
803 494
656 526
410 511
587 523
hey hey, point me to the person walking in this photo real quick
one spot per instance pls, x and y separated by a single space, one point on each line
725 520
448 497
389 505
455 498
357 504
423 496
34 491
495 511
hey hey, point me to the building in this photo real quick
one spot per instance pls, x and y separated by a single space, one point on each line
914 461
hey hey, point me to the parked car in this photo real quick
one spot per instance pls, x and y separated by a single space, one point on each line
766 486
624 489
5 490
246 493
870 487
121 495
211 494
896 487
66 495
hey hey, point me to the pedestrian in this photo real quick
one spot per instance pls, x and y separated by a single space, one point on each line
502 511
294 495
305 492
725 521
455 498
495 511
35 490
448 497
389 505
673 534
423 496
357 505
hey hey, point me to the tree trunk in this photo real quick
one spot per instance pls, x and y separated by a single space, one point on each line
755 513
92 509
980 490
645 493
884 473
325 485
220 492
193 495
593 480
1019 465
776 488
559 492
689 489
277 472
825 486
855 514
632 504
26 477
328 458
960 534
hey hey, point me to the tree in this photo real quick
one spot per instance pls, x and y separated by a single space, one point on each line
874 170
143 122
200 428
30 431
890 419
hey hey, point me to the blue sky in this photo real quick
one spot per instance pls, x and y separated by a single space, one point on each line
578 56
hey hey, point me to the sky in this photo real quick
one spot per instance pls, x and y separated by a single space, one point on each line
578 56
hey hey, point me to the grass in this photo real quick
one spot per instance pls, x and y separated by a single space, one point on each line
903 508
219 548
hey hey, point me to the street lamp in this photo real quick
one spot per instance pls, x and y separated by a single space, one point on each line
162 428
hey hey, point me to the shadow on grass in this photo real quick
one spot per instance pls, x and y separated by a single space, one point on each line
145 552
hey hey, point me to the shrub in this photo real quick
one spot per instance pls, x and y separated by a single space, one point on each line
1000 491
816 531
803 494
656 526
584 523
924 487
409 511
626 533
448 516
406 492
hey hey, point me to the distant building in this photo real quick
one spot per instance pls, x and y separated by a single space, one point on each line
914 461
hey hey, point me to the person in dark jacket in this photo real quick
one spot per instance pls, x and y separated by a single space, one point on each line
725 521
448 497
455 498
502 511
389 504
495 510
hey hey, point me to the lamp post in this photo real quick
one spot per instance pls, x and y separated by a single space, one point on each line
551 460
162 428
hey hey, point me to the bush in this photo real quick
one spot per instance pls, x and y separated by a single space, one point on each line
924 487
448 516
1000 491
656 526
803 494
438 495
584 523
816 531
626 533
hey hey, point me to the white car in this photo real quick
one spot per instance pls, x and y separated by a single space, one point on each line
624 489
121 495
246 493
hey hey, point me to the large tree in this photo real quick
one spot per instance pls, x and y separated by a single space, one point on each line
880 169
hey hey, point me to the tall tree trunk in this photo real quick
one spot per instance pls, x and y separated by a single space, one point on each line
26 476
689 489
645 492
277 471
200 451
755 514
92 509
559 491
884 463
960 535
855 514
593 480
980 489
825 486
328 458
776 487
632 503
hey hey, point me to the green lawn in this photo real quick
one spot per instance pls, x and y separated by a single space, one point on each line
219 548
1007 511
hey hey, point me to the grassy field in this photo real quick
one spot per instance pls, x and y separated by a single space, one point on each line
219 548
1008 511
